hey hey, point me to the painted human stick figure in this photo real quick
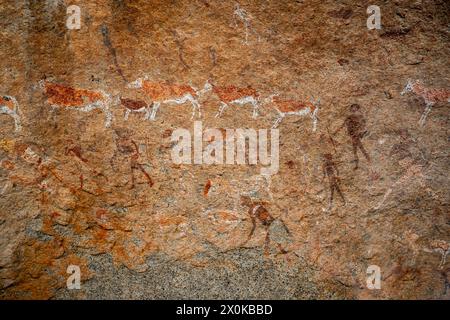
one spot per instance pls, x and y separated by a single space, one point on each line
288 107
331 171
431 96
232 95
356 129
136 165
128 149
167 93
9 106
242 15
61 96
135 106
259 213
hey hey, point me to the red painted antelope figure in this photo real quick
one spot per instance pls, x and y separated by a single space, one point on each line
61 96
431 96
287 107
235 95
9 106
161 92
135 106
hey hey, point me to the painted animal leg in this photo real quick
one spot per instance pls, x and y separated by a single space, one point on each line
199 109
443 259
99 105
108 114
255 108
386 195
127 113
195 106
184 99
154 110
147 113
14 115
17 123
424 116
278 121
314 119
222 108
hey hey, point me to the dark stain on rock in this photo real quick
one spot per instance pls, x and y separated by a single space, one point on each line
343 13
395 32
343 62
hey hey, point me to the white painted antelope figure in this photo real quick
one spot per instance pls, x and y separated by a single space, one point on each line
431 96
135 106
288 107
442 247
61 96
232 95
167 93
9 106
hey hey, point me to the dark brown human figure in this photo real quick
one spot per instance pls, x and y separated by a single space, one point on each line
356 129
258 212
331 171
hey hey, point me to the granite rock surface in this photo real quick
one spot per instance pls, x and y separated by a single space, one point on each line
87 176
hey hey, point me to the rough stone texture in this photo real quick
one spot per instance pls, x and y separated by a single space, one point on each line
76 190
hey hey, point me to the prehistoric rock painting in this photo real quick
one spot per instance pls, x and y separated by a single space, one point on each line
107 196
431 96
355 124
442 247
242 16
135 106
331 171
136 165
259 214
128 152
166 93
61 96
207 187
9 106
286 107
229 95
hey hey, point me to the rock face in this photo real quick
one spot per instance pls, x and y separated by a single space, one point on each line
88 179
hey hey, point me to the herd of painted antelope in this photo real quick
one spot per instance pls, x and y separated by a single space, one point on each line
160 93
